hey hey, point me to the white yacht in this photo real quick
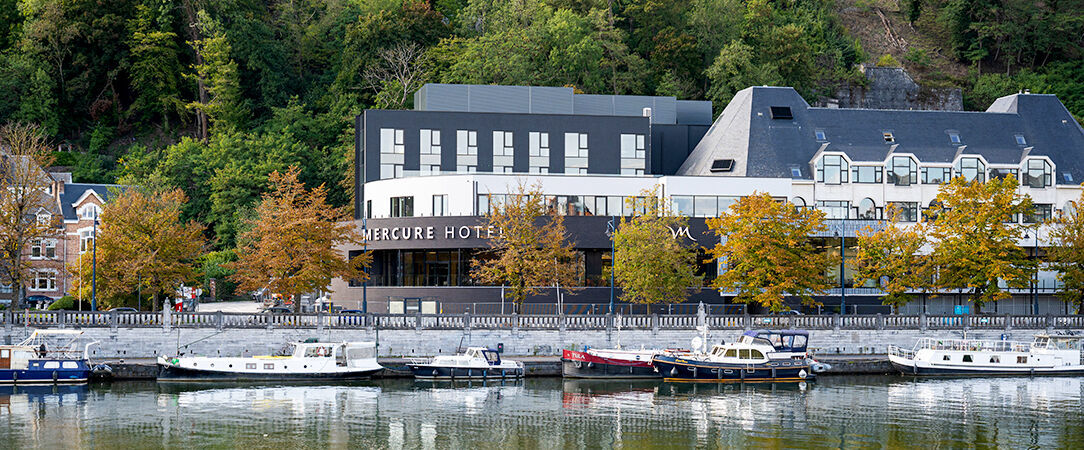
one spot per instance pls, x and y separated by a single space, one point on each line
1046 355
476 362
298 361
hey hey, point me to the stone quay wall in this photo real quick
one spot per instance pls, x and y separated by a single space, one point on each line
121 343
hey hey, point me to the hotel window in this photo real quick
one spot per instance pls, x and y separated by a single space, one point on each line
539 152
466 150
1039 173
86 240
705 206
1040 212
1000 174
907 211
90 211
972 169
429 161
936 175
392 148
576 152
832 169
440 205
902 171
43 248
682 205
868 210
634 205
43 280
368 209
503 152
402 207
633 154
867 174
834 209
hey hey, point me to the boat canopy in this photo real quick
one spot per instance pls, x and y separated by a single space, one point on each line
783 340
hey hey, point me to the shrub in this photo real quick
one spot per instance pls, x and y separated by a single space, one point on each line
887 61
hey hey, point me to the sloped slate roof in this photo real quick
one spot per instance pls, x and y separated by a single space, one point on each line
73 191
772 146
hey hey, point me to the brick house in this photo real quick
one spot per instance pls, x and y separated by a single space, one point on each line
76 207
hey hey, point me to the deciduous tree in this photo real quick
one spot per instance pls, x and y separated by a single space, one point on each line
767 252
144 246
974 238
1067 253
293 245
529 249
27 210
649 266
890 257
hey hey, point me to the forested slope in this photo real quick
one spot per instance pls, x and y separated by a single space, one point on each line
212 95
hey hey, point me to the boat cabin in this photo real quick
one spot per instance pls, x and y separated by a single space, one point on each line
491 356
784 341
1058 342
342 352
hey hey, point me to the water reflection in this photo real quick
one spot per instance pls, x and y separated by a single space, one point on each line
832 412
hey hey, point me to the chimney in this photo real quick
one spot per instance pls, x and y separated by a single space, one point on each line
647 112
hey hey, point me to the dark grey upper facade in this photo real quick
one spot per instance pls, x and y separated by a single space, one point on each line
769 131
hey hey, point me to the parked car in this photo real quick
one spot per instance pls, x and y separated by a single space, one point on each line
351 311
124 309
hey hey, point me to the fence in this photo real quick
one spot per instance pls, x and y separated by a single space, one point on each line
467 321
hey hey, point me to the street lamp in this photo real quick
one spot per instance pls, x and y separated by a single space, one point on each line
842 258
1035 277
94 266
611 229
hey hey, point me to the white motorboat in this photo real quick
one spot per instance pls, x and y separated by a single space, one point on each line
299 361
475 363
1046 355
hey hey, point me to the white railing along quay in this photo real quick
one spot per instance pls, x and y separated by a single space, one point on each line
220 320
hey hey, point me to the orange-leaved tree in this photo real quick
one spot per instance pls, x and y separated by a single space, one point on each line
292 246
767 253
890 257
529 249
650 266
143 246
1067 252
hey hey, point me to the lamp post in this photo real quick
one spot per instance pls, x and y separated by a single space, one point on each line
94 267
1035 276
842 260
610 231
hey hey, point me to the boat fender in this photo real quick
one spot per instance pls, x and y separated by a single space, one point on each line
693 370
14 377
802 374
577 364
590 365
434 372
55 376
673 372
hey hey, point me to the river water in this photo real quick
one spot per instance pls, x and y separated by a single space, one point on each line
852 412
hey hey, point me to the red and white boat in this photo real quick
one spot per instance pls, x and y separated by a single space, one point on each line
610 363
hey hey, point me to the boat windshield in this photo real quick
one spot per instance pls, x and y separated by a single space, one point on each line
492 357
319 351
1065 343
1040 342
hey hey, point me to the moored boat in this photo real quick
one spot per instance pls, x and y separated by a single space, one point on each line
39 359
302 361
611 363
1045 355
475 363
762 355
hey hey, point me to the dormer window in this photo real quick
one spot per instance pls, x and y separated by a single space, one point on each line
1020 140
820 135
972 169
832 169
889 138
781 112
90 212
1039 173
902 171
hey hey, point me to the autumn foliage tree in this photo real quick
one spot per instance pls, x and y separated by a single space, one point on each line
767 252
529 249
890 257
292 246
974 238
648 265
1067 253
27 210
143 246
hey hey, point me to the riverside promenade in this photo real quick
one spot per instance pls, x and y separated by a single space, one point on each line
148 335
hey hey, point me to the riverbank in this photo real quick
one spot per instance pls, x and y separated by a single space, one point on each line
535 366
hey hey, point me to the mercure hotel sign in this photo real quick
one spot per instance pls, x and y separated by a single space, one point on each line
430 232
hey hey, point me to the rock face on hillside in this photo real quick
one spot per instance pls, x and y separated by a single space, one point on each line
893 88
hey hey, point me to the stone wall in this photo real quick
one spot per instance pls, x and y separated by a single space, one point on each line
893 88
151 342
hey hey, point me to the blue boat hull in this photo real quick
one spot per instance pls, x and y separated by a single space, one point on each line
36 374
427 372
676 369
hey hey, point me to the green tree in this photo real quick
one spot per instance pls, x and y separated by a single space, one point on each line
649 267
767 252
156 66
1066 253
974 238
890 258
217 74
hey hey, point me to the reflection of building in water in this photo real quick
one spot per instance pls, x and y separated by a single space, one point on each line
43 413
